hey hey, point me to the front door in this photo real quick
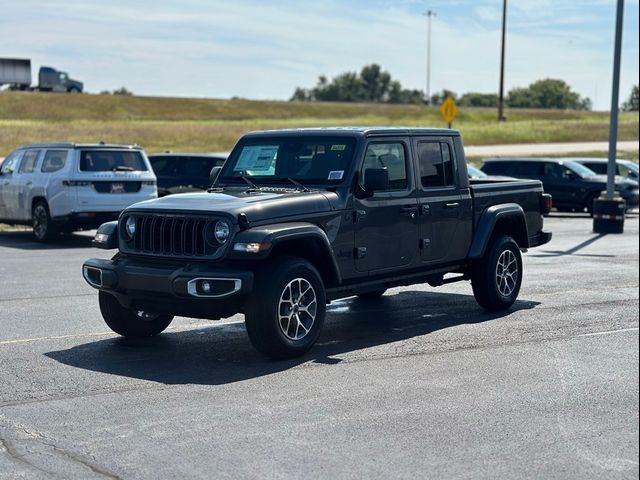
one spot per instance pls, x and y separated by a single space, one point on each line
8 187
386 224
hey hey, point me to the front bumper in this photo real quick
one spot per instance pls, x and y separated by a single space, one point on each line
193 290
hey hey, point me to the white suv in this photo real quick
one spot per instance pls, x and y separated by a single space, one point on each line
61 187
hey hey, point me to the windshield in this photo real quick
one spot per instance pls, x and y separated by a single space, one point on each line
475 172
631 166
111 161
308 160
580 169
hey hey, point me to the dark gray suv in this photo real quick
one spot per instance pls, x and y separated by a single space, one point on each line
572 185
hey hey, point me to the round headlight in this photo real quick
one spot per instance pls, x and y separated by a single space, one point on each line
221 231
130 226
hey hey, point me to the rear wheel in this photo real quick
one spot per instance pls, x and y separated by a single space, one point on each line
43 228
285 316
497 278
128 322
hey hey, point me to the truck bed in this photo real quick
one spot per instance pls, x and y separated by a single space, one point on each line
526 193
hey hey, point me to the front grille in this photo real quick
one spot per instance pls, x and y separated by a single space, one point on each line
120 187
171 236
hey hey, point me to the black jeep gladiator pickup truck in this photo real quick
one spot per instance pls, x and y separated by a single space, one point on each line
298 218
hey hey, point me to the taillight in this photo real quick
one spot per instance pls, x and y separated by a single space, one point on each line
76 183
546 203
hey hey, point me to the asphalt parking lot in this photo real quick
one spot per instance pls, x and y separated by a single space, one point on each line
421 384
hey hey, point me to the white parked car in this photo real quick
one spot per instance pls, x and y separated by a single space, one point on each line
61 187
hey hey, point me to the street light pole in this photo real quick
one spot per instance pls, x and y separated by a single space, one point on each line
501 117
429 14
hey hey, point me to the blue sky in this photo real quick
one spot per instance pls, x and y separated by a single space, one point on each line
263 50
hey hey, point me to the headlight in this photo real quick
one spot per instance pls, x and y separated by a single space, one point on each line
130 226
221 231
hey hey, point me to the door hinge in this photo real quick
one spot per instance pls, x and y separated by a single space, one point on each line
359 252
425 243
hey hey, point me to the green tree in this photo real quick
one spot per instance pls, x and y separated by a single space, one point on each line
372 84
547 93
631 105
473 99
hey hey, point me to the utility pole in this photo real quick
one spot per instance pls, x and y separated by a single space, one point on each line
501 117
615 91
429 14
609 209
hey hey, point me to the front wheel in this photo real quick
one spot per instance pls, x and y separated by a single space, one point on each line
496 280
130 323
285 316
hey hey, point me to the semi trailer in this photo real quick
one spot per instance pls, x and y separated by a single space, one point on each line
16 73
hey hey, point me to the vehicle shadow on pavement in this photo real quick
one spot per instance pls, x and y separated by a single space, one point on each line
24 241
222 354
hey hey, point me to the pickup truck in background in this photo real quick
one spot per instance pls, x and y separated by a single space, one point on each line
17 74
298 218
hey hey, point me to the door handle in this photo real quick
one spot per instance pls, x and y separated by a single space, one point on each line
6 182
29 184
451 205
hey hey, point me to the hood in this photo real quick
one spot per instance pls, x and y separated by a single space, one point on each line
256 205
620 181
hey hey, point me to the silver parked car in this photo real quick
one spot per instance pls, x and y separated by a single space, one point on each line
61 187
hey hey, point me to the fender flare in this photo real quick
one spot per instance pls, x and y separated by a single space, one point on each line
487 223
277 234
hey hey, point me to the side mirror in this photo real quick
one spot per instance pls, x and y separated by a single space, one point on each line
376 179
570 175
213 175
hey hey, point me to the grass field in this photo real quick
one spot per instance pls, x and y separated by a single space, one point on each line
186 124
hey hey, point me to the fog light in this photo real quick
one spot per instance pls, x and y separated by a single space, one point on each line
205 286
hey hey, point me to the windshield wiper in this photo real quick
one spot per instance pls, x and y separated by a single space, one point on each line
247 181
122 168
297 184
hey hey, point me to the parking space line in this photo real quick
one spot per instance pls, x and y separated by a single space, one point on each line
634 329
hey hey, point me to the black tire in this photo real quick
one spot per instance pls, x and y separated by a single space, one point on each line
44 230
493 289
277 290
74 90
129 323
372 295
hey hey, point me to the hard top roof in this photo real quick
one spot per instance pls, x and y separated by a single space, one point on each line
80 145
357 131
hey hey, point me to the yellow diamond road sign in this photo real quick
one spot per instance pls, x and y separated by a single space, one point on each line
448 109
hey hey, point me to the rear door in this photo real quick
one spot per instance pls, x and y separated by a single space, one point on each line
386 224
442 239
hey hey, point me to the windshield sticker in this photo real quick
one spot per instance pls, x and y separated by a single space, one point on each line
336 174
338 148
256 158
